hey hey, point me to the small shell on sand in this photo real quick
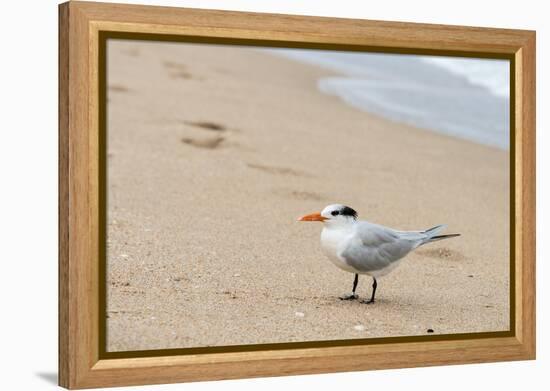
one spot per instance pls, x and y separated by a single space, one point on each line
299 314
359 327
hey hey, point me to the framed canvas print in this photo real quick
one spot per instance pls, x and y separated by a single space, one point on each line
248 195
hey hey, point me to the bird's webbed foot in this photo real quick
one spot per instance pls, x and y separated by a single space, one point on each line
370 301
349 296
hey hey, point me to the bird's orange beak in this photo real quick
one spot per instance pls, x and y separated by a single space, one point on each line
312 217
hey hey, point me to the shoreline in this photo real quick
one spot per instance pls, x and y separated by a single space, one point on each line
375 83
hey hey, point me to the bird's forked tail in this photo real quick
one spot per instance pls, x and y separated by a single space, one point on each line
432 234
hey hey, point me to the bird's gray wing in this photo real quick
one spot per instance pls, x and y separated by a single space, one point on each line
374 247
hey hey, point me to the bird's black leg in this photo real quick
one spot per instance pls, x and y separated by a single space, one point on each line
353 296
374 285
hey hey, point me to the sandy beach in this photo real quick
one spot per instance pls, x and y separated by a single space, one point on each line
213 153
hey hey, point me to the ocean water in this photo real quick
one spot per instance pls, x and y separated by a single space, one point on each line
462 97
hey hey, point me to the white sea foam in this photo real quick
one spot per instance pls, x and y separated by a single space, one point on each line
492 74
462 97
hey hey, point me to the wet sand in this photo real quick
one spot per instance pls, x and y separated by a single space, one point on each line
213 152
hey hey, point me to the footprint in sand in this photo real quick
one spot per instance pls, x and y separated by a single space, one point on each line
207 125
206 143
132 52
173 65
300 195
178 71
118 88
278 170
181 75
306 196
209 141
442 253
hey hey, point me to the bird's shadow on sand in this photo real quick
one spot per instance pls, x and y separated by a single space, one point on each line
48 377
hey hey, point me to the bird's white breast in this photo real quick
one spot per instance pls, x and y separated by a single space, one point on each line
333 241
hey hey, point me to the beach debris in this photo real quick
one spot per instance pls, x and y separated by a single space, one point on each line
359 327
299 314
124 255
237 275
430 330
231 294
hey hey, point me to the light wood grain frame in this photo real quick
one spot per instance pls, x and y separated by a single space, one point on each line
81 364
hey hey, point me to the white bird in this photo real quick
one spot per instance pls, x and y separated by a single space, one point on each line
361 247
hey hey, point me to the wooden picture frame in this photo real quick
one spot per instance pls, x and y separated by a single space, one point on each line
83 26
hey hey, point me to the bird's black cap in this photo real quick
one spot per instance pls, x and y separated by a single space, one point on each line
347 211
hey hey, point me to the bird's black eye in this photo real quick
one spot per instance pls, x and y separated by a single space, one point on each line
335 213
